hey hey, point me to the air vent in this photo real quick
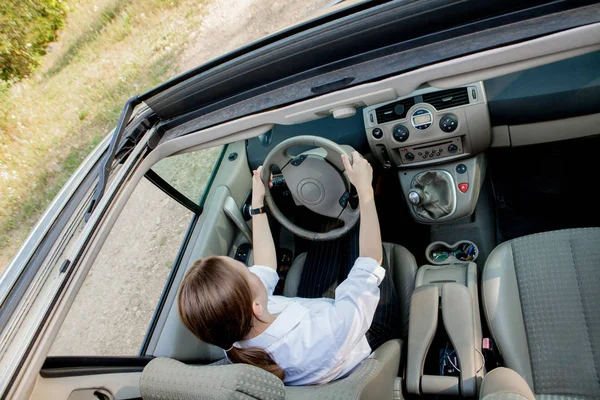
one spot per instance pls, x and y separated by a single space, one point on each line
447 98
393 111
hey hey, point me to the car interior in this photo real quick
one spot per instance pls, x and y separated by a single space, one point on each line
484 192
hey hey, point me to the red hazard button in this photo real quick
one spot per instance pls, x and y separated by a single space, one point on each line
463 187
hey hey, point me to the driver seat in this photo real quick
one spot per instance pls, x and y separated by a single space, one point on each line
374 378
402 266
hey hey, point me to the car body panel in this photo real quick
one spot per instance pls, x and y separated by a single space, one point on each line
359 69
32 327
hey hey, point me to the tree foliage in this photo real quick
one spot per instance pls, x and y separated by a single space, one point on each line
26 27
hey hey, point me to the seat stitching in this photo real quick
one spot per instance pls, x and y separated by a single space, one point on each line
585 316
512 250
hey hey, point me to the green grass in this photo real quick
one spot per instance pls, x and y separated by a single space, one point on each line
87 37
47 186
26 27
109 51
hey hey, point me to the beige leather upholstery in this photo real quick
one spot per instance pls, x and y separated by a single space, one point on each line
440 385
438 196
457 314
403 267
424 310
505 384
448 295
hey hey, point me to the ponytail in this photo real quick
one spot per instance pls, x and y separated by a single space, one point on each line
257 357
215 303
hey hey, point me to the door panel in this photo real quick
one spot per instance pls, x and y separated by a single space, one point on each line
215 234
123 386
216 238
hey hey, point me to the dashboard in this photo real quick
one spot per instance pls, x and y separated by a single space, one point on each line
433 125
349 131
429 126
563 89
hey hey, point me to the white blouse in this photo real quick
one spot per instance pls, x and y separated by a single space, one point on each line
318 340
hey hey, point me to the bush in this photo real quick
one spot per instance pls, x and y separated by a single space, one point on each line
26 27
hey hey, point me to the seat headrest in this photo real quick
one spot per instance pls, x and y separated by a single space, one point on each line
166 379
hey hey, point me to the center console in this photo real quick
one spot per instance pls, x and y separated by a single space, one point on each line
445 192
444 336
435 139
429 126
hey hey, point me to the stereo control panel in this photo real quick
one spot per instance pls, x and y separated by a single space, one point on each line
429 126
428 152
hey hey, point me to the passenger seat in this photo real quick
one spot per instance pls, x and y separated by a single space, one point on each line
541 299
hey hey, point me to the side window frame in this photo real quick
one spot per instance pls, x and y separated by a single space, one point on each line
197 210
64 366
175 194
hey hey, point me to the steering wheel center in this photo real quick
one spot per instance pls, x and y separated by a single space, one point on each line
311 191
315 180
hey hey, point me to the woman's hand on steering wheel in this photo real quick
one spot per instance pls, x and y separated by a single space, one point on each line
258 189
360 173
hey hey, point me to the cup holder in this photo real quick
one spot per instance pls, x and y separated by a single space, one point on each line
439 253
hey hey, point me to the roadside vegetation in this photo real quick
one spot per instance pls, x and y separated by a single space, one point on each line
108 50
26 27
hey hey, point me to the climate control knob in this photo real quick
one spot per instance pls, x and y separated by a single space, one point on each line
448 123
400 133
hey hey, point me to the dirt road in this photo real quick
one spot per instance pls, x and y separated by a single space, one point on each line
114 307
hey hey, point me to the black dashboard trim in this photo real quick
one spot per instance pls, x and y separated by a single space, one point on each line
527 110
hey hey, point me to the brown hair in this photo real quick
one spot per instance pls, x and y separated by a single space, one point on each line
215 303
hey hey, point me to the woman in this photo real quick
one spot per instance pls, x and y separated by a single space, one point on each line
302 341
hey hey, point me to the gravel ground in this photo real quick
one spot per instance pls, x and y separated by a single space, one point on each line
115 305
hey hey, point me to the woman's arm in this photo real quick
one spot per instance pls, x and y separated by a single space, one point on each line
263 246
361 175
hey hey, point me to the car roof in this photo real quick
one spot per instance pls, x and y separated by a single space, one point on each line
346 47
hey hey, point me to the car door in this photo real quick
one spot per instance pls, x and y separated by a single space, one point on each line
117 323
222 229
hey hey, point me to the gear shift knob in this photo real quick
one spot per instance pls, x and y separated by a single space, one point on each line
415 196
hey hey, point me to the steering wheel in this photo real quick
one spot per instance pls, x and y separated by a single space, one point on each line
316 182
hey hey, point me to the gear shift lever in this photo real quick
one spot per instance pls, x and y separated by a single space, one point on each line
416 196
432 195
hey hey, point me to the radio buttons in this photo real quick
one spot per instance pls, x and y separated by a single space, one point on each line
430 152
